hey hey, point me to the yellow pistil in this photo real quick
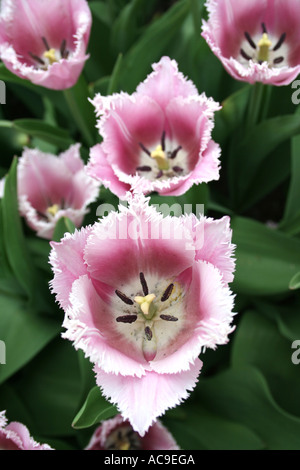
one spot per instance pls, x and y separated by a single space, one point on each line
51 56
53 210
159 155
145 303
264 46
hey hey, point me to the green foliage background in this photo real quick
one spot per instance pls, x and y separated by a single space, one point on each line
247 396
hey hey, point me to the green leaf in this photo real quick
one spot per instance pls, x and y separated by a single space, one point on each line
257 144
151 45
24 332
94 410
266 259
242 395
15 243
63 225
292 204
36 128
295 282
258 342
50 388
113 86
203 429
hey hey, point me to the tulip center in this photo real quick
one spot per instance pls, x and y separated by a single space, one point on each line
259 49
50 56
123 438
166 160
52 210
147 318
160 156
264 46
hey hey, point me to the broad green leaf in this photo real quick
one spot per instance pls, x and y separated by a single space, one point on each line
63 225
36 128
24 332
258 342
203 429
257 144
231 115
292 204
242 395
94 410
50 388
266 259
15 243
114 79
82 110
295 282
151 46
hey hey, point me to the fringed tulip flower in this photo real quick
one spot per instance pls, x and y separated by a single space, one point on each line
256 41
51 187
143 294
117 434
2 185
158 138
15 436
45 41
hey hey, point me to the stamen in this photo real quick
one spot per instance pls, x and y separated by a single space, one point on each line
45 43
124 297
63 48
177 169
167 293
143 168
145 149
246 56
126 319
280 42
168 318
36 58
159 174
163 141
278 60
264 28
144 284
148 333
174 153
250 40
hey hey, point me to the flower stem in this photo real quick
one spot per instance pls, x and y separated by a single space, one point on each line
81 110
255 104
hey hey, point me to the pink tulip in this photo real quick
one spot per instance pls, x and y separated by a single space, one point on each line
45 41
51 187
117 434
158 138
143 296
256 41
15 436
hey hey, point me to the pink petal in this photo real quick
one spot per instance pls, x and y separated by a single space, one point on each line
66 259
166 82
123 245
90 324
143 400
99 168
